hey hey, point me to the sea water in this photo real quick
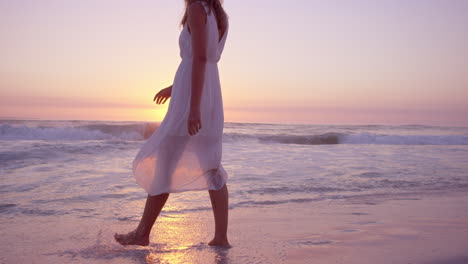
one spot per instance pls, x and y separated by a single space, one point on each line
66 186
83 168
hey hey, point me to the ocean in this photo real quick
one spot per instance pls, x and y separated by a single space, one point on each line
82 169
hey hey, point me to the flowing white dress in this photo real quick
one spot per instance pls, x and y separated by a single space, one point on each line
171 160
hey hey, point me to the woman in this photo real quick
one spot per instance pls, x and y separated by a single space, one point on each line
184 153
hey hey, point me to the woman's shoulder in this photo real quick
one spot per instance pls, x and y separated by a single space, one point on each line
198 5
198 10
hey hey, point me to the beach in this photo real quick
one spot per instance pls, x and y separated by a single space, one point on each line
298 194
413 229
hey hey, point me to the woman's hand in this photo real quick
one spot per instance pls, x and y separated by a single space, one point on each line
162 96
194 122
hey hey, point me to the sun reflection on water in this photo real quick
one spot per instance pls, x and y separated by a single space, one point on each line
181 239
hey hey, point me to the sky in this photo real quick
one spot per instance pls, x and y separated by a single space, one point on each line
302 61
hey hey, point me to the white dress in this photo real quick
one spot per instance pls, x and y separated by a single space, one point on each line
171 160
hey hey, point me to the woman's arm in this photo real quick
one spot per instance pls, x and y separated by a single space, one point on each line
162 96
197 22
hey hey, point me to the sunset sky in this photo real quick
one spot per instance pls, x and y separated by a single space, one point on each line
301 61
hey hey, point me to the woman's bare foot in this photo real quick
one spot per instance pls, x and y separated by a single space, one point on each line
132 238
217 242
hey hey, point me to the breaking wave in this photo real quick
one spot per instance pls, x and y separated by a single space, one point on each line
141 131
83 132
356 138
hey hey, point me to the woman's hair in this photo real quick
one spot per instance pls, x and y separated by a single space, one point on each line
221 16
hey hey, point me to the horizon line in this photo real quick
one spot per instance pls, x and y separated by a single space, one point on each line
235 122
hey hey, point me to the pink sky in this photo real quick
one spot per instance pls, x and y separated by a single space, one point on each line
335 62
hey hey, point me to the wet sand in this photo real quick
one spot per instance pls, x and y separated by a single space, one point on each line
405 229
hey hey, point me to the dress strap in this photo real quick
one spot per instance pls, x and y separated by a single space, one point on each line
205 6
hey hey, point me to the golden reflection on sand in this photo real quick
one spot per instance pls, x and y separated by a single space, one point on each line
178 239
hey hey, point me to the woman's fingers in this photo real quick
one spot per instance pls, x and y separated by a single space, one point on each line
157 95
193 127
156 98
161 99
191 130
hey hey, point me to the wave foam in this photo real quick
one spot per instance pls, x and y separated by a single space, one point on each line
141 131
86 132
367 138
357 138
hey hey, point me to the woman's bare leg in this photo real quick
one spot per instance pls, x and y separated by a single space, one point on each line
220 202
140 236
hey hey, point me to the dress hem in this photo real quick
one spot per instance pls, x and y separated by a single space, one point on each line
188 190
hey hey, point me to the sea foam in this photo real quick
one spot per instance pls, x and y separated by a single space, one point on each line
294 135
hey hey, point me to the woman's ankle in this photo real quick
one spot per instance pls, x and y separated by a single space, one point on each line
221 237
142 232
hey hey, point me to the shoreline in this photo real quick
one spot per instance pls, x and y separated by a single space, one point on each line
427 229
423 228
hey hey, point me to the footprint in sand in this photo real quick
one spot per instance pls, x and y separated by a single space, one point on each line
349 230
312 243
359 214
365 222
